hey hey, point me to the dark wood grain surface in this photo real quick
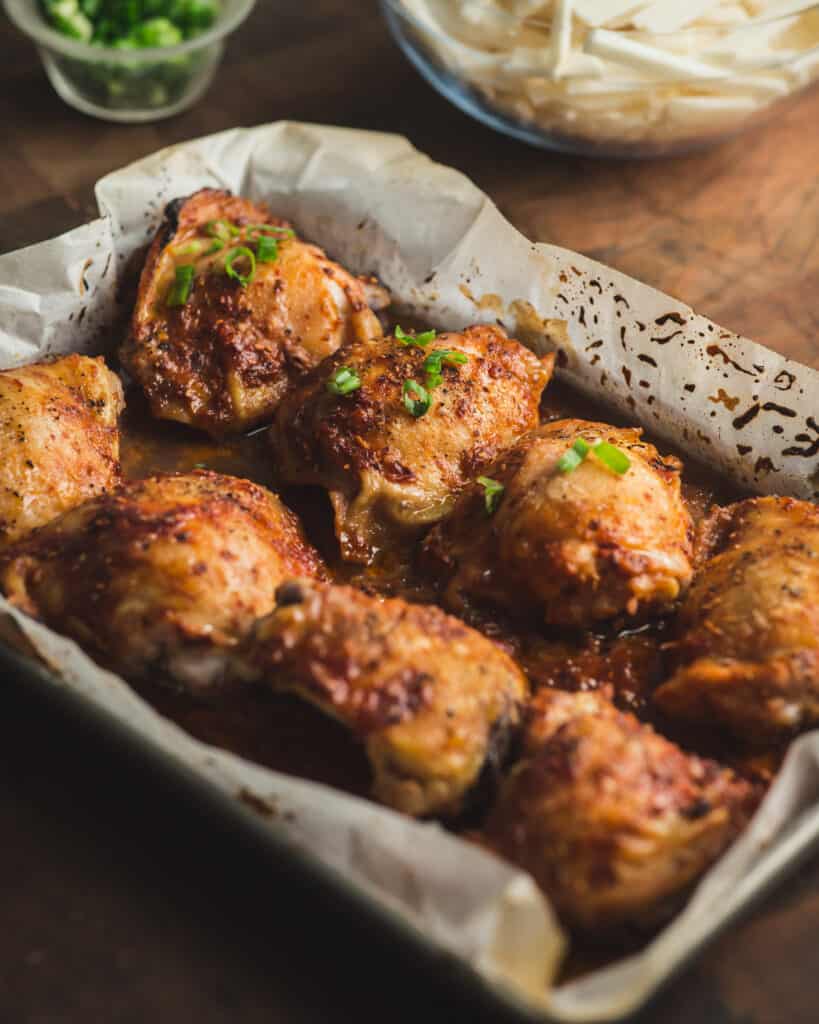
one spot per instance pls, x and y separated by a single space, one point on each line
120 903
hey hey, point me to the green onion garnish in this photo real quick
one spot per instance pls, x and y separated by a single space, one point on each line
192 248
180 290
435 360
236 253
492 493
197 247
270 229
610 456
267 251
223 229
343 381
569 462
419 340
416 398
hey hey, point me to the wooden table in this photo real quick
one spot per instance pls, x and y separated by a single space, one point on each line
122 905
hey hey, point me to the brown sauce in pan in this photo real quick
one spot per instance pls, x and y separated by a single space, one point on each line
284 734
630 661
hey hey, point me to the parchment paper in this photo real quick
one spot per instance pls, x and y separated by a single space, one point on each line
449 256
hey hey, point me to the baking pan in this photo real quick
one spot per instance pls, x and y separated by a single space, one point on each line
450 258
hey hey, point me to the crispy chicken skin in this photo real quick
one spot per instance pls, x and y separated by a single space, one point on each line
59 438
431 700
163 575
748 649
388 473
223 360
613 821
578 547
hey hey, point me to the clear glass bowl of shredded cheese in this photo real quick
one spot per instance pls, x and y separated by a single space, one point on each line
612 77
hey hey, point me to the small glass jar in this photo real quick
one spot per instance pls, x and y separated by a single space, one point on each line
547 77
128 85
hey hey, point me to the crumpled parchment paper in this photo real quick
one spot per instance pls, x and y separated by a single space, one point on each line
449 256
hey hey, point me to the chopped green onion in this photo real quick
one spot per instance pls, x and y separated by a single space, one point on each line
195 15
222 229
416 398
239 252
131 24
492 493
70 20
267 251
612 458
217 245
270 229
569 462
343 381
192 248
435 360
155 32
418 340
180 290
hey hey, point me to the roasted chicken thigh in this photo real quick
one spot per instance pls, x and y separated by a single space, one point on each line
232 308
394 428
576 547
431 700
161 576
59 439
748 649
613 821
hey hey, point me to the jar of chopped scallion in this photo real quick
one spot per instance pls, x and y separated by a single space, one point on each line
131 24
129 60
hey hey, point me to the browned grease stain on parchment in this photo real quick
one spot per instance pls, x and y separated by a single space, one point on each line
723 398
530 327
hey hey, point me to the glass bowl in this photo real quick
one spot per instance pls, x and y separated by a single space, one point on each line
499 73
128 85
